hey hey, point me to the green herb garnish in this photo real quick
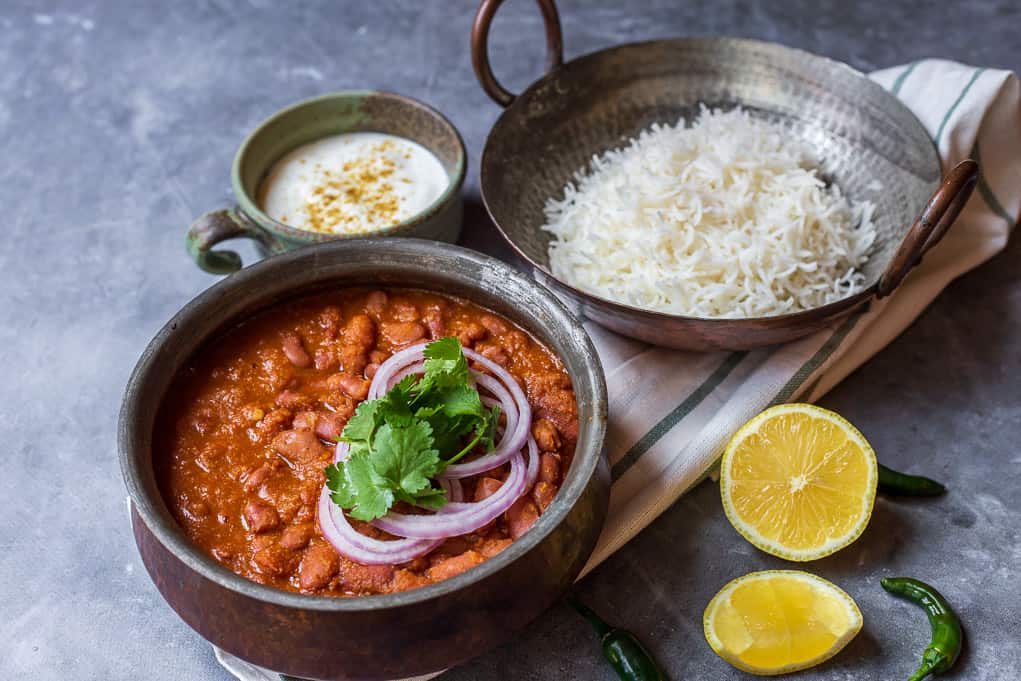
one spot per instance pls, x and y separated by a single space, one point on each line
402 440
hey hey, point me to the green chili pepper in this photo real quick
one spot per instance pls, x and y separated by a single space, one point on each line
625 653
947 637
892 482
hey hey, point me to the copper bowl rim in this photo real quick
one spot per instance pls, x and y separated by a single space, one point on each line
834 308
158 520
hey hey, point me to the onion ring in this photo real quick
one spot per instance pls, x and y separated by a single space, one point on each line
460 518
352 544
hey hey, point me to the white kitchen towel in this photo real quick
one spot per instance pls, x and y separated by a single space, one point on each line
672 412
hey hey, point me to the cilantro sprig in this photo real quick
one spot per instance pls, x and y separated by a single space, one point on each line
401 441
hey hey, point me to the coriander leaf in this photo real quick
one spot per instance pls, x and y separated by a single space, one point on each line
405 457
396 440
342 495
462 400
445 365
432 498
449 432
364 492
425 413
406 384
395 406
444 349
362 423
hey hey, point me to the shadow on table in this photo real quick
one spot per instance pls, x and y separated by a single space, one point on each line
481 234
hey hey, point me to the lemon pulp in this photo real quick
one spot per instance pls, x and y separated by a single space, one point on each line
799 481
780 621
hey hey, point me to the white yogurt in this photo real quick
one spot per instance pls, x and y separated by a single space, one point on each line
352 183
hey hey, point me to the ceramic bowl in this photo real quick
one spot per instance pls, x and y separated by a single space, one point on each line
387 636
308 121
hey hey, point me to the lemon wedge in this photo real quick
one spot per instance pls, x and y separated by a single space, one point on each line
780 621
799 482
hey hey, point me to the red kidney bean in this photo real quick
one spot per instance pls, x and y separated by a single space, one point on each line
275 560
300 446
455 565
494 325
549 468
326 359
486 487
295 351
365 578
319 565
402 333
546 435
352 386
292 399
296 537
361 331
521 516
261 517
329 425
543 494
375 302
254 478
473 331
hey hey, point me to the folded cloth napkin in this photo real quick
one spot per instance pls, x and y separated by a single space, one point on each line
672 412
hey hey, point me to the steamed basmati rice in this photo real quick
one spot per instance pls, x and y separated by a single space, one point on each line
726 218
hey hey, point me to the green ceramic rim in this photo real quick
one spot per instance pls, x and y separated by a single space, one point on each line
250 208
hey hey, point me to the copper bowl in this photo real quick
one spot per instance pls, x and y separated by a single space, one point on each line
591 104
375 637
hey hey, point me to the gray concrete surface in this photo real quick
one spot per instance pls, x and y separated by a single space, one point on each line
118 122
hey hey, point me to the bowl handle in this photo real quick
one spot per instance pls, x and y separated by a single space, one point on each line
480 46
214 227
931 224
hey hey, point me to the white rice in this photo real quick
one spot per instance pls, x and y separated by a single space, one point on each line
726 218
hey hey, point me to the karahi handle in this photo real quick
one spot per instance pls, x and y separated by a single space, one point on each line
480 47
931 225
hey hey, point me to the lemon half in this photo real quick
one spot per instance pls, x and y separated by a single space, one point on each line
799 481
780 621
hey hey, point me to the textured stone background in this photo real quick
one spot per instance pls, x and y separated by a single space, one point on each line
118 122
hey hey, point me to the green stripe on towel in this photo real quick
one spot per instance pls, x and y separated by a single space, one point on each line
647 441
899 82
987 192
816 360
957 102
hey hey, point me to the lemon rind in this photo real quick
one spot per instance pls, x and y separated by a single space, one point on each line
771 547
717 646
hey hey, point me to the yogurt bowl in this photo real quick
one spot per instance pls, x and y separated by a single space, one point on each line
421 132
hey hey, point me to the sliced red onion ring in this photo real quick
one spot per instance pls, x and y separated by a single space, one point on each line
532 472
453 488
341 452
366 550
518 421
424 532
414 368
393 364
501 385
459 518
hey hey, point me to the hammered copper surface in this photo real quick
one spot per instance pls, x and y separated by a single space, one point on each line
394 635
868 143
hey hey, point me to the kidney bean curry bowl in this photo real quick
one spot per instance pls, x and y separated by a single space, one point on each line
364 441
